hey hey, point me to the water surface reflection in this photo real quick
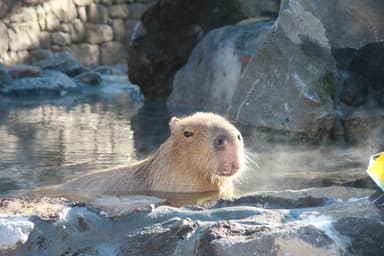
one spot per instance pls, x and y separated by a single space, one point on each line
47 143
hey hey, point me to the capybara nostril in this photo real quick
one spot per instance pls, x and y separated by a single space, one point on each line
220 141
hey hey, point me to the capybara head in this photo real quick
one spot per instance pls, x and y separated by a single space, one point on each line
207 143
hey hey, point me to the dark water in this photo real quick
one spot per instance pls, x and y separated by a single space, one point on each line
44 143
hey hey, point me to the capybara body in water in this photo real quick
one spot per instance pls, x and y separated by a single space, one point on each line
202 154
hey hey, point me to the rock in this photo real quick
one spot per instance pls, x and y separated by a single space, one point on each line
355 89
82 2
109 70
65 27
136 10
290 60
105 2
23 36
364 235
52 22
97 13
82 13
50 83
285 92
219 59
10 58
369 62
57 48
130 26
96 34
41 17
61 38
365 127
26 14
119 11
233 239
40 206
163 241
4 42
90 77
21 70
155 56
14 232
65 10
349 24
39 54
63 62
112 53
45 40
343 57
333 226
77 31
88 54
118 27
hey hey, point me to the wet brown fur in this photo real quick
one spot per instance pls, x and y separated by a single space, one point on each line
181 164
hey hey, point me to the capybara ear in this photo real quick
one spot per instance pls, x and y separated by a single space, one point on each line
174 124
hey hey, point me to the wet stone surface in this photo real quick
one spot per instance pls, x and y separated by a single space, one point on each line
321 221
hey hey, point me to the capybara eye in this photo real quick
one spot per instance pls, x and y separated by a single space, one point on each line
219 142
188 134
239 137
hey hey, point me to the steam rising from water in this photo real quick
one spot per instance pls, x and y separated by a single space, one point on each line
286 167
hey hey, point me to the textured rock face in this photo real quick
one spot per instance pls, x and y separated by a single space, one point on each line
328 223
172 29
276 81
4 40
349 23
214 68
30 26
287 86
231 239
31 32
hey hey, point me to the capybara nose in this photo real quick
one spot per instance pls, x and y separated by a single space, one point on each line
220 142
236 164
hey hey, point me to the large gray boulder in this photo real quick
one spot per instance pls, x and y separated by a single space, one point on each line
280 85
170 29
214 68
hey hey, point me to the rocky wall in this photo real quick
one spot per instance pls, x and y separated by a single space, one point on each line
95 31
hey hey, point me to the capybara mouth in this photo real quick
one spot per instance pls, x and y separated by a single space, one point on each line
228 173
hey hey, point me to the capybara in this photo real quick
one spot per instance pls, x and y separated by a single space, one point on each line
202 154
